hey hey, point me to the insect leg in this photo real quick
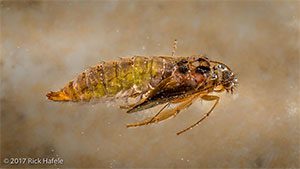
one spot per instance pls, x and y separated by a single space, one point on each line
207 98
162 115
148 120
174 47
221 90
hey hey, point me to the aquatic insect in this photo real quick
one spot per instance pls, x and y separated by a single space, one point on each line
152 81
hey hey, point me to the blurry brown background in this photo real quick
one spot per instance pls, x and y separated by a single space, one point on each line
45 44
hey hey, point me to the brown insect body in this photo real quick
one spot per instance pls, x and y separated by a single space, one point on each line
127 76
154 81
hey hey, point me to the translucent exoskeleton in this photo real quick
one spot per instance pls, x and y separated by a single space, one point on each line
151 81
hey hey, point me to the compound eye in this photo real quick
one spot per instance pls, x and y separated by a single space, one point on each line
202 69
226 74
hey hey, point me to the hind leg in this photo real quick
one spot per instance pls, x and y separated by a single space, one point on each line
207 98
165 114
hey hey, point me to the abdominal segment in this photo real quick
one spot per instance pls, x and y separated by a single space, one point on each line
129 76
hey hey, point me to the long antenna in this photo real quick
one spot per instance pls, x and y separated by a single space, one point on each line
174 47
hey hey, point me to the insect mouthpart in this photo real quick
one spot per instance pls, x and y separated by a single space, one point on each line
231 84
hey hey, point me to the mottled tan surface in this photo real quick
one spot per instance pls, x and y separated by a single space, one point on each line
45 44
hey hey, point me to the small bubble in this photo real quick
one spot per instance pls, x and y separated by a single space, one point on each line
187 160
110 165
82 132
182 159
52 150
292 109
158 44
117 30
98 148
143 47
18 47
148 37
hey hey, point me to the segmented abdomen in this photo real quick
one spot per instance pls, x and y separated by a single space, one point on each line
107 79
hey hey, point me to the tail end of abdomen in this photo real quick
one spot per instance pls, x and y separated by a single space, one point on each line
59 96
